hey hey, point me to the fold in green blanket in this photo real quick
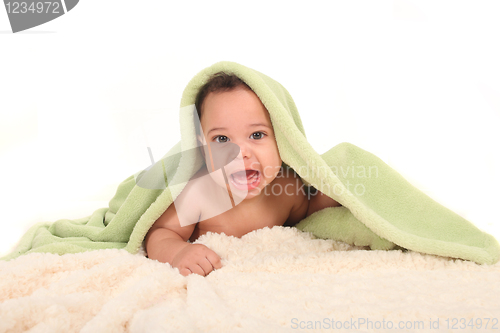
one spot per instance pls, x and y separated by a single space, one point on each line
379 209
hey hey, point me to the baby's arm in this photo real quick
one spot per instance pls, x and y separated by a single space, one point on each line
166 241
300 202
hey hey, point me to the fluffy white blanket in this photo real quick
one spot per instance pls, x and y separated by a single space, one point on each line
272 280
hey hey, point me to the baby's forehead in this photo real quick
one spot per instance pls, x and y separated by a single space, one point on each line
240 103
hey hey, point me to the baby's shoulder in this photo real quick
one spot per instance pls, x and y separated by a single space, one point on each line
293 195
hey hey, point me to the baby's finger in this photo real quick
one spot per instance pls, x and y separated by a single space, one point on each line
206 265
196 269
214 260
185 271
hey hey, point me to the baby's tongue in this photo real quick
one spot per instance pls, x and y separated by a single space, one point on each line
243 176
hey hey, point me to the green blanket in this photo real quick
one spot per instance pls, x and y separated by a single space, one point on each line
379 209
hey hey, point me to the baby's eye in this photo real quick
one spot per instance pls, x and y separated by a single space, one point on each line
260 135
219 140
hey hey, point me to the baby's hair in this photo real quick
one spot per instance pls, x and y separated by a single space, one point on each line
218 82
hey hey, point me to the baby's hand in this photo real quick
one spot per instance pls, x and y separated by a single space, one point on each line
196 258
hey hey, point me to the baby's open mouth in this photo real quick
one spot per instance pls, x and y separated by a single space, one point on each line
245 177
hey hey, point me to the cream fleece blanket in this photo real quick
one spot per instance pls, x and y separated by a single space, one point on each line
272 280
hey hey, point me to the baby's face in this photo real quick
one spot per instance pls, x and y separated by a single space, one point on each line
238 116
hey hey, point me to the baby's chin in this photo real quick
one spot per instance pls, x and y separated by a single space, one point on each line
248 195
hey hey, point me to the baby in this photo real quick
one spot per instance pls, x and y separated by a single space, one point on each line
229 111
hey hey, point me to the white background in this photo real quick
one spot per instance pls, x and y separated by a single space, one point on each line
83 96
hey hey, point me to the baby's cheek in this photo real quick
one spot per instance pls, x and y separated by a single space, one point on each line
218 178
268 172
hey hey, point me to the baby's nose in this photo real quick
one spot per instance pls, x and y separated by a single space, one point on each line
245 150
